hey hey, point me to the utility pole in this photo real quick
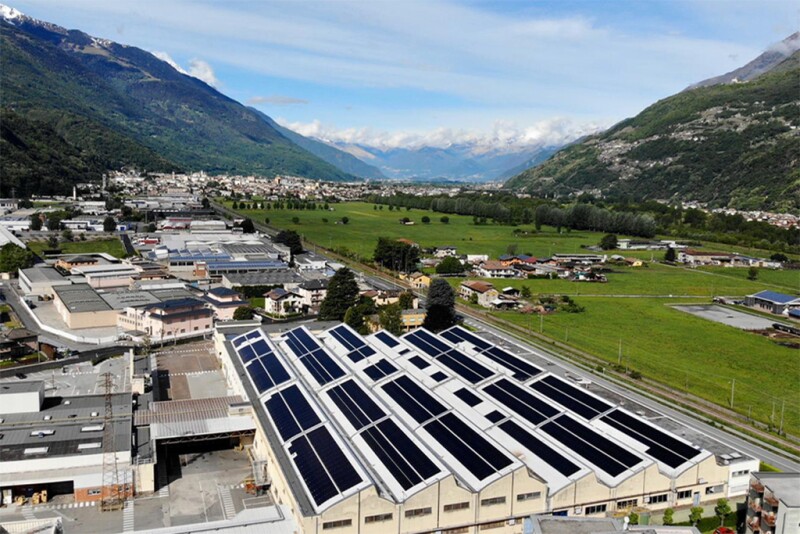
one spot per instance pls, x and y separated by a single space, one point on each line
783 405
619 355
733 389
110 493
541 323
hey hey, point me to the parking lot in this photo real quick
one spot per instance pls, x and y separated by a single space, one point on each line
81 378
721 314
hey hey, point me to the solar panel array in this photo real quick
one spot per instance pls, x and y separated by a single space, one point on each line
404 405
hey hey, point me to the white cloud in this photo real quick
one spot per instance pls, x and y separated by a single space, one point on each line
276 100
197 68
502 135
202 71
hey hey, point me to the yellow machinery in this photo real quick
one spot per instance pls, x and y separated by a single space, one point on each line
20 500
44 495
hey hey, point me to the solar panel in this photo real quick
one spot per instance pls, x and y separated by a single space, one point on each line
323 466
438 376
277 372
260 347
587 443
246 353
417 402
379 370
468 397
291 412
522 370
472 450
570 397
333 458
347 338
355 404
388 340
259 376
402 457
521 401
661 446
322 367
457 334
494 416
539 448
419 362
464 366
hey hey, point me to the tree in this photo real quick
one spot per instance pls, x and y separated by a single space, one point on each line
391 318
235 205
425 219
66 235
633 518
450 265
52 242
291 239
396 255
473 298
441 306
206 203
525 292
266 220
695 515
356 316
444 220
406 300
722 510
778 256
13 258
36 222
669 255
342 294
511 249
109 224
669 516
54 221
248 227
345 220
152 227
752 273
609 242
243 313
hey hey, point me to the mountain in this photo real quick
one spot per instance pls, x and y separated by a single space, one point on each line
458 162
763 63
109 106
735 144
339 158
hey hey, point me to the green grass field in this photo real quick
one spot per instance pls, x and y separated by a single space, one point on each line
672 347
111 246
367 224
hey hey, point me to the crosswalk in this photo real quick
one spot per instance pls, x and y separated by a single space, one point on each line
27 512
194 373
59 506
127 516
227 502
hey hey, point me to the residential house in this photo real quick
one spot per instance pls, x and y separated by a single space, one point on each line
476 259
578 259
773 503
705 257
17 342
773 302
313 293
69 262
280 302
444 252
223 302
495 269
168 320
483 291
419 280
412 319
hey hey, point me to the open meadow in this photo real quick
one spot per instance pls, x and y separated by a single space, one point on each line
111 245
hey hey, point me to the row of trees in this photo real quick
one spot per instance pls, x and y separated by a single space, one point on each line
396 255
589 217
289 204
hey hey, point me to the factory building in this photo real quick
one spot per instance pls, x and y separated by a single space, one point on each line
56 444
450 433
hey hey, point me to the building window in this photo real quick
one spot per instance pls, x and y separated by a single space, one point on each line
377 518
492 501
490 526
685 494
459 530
596 509
93 492
630 503
337 524
456 506
741 473
529 496
417 512
655 499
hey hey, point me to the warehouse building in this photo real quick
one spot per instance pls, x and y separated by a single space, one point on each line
450 433
40 281
57 443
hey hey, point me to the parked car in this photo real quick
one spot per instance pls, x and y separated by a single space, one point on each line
21 376
724 530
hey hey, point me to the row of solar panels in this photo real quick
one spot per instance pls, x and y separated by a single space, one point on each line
307 435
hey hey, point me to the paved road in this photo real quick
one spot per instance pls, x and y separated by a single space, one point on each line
779 461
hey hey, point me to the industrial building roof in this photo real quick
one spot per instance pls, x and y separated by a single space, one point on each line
405 412
264 278
124 299
777 298
80 298
21 387
43 274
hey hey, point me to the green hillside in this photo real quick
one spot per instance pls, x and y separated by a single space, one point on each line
729 145
82 105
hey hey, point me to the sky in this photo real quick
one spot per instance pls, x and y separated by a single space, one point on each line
404 73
